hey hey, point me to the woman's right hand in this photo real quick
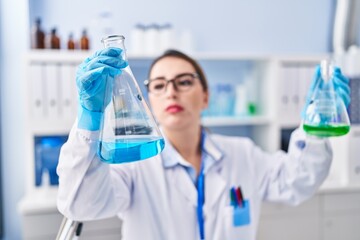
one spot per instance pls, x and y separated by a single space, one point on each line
94 77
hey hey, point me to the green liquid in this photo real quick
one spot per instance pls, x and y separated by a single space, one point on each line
327 131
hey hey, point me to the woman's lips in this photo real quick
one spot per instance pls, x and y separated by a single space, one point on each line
174 108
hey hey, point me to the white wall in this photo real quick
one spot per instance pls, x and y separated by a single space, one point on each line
14 39
246 26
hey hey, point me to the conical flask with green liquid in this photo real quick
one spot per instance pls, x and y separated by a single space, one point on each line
326 114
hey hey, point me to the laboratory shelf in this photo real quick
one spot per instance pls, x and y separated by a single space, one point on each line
235 121
40 201
69 55
54 55
51 127
338 187
58 56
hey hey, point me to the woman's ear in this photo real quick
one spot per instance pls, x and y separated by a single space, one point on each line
206 99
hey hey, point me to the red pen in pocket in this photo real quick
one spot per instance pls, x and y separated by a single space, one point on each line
239 197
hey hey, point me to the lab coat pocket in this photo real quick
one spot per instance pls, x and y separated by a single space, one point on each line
237 222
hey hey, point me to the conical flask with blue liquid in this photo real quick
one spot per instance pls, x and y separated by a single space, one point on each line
128 130
326 114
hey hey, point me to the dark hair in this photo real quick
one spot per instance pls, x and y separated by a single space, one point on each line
195 64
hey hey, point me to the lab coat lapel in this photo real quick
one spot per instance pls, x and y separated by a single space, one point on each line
178 176
215 185
186 187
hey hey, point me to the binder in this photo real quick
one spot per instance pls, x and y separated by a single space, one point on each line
51 85
293 82
283 96
306 73
354 107
37 96
67 92
289 96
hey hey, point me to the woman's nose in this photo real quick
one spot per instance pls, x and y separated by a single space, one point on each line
170 88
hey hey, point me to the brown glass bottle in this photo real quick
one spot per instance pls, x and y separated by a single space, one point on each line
71 43
37 36
54 40
84 41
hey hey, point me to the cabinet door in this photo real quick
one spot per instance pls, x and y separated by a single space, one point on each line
341 216
281 222
342 226
291 227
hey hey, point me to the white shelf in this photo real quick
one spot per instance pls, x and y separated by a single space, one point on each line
41 200
57 56
51 127
76 55
71 55
235 121
338 187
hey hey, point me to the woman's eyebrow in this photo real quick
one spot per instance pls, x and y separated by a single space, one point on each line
160 77
176 76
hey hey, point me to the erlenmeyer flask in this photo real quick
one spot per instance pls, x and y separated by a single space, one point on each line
128 131
326 114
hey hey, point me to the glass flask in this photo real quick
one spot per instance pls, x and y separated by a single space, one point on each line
128 130
326 114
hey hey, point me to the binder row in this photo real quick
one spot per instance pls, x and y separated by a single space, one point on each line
354 108
53 91
294 83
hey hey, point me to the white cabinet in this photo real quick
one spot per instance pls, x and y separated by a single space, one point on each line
330 215
280 222
341 216
52 108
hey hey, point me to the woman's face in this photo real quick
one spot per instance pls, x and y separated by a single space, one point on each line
173 109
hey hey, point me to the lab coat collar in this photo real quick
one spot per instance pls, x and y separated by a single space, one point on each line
210 148
171 157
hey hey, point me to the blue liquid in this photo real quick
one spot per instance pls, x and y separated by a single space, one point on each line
130 150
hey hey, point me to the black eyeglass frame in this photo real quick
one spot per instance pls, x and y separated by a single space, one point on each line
148 81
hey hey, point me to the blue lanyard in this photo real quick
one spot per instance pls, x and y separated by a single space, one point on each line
201 193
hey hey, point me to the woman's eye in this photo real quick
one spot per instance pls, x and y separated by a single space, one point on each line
158 86
185 82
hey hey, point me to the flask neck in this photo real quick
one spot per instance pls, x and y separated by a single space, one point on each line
326 70
116 41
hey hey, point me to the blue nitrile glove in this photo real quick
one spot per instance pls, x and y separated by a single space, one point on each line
94 77
341 85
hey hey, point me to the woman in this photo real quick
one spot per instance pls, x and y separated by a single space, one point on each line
190 190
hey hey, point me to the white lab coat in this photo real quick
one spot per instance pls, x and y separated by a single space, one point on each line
157 202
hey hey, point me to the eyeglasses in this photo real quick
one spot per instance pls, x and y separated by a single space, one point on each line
182 82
